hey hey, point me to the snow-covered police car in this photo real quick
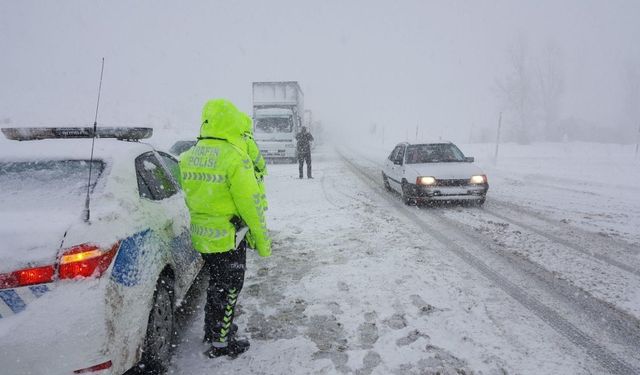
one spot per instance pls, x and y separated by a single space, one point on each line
434 171
91 268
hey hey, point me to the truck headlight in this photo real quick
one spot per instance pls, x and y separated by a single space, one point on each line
478 179
426 180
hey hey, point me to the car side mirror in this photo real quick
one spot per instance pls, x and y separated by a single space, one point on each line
397 162
469 159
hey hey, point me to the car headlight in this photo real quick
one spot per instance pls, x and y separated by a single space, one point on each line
426 180
478 179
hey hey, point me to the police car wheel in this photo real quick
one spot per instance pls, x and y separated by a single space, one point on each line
157 344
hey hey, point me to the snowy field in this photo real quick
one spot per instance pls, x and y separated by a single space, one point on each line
542 280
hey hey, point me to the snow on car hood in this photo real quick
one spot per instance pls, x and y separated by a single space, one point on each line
451 170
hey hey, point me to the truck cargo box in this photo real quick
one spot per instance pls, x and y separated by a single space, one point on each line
275 94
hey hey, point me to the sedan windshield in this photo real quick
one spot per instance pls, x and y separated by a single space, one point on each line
433 153
48 185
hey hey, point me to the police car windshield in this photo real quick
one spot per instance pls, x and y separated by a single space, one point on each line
46 185
433 153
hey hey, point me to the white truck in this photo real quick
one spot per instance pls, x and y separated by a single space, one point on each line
278 108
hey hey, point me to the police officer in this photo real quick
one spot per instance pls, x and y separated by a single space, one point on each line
222 195
304 139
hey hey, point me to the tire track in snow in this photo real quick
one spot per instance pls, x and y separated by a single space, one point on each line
593 237
601 354
326 196
620 327
612 262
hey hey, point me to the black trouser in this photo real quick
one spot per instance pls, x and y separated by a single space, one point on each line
226 277
302 157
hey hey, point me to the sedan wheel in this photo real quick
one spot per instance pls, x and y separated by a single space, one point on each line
157 345
405 196
480 202
385 181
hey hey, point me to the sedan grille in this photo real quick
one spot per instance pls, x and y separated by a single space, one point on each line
453 182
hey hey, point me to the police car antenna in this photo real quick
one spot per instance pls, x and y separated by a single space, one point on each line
86 212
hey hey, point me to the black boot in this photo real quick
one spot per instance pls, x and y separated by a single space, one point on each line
234 348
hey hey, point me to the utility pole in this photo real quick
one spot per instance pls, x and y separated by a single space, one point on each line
383 135
417 125
495 157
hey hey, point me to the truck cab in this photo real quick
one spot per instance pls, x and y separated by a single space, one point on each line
275 132
277 110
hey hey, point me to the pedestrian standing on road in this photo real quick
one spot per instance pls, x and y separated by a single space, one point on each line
223 196
304 139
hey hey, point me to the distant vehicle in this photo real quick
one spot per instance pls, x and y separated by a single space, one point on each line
82 296
278 108
436 171
181 146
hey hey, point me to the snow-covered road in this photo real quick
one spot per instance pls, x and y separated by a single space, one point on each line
360 283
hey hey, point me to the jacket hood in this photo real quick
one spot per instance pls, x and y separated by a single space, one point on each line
221 119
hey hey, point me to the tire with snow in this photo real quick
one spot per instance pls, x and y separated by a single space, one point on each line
385 181
406 199
156 353
480 201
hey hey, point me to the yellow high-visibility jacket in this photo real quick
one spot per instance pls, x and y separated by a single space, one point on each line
218 179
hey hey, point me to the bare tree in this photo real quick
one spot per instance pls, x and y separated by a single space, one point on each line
516 91
550 87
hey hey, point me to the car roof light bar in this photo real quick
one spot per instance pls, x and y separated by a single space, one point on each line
120 133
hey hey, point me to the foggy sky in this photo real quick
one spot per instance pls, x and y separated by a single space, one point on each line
398 64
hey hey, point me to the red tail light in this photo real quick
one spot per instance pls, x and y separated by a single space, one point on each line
102 366
27 276
85 260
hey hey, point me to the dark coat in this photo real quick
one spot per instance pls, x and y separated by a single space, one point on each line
304 142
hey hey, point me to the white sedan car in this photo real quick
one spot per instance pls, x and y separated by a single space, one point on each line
89 291
436 171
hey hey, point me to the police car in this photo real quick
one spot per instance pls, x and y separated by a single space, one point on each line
434 171
91 269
